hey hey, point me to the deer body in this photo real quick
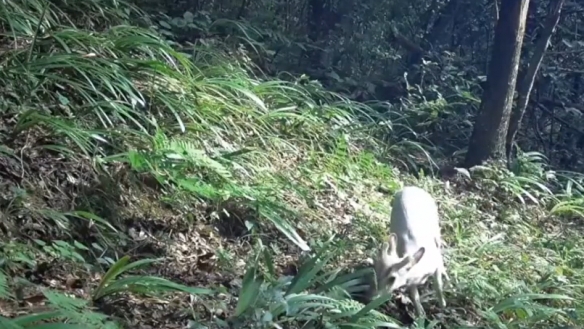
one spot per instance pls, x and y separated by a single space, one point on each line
413 252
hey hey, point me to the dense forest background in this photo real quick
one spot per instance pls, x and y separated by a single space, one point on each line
231 164
428 59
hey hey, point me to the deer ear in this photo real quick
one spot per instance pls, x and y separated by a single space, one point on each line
408 261
403 263
415 258
384 248
392 244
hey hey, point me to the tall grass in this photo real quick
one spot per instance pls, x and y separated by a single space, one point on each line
101 100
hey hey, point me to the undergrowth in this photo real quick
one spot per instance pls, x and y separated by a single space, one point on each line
135 173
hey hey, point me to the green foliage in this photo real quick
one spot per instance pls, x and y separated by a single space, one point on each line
96 86
143 284
312 298
70 312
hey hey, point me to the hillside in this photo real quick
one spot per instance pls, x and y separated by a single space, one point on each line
149 184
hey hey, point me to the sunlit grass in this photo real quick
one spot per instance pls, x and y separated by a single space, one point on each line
309 163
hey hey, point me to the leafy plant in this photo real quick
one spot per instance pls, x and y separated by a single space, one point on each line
138 284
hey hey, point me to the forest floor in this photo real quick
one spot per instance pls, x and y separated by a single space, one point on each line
218 172
496 250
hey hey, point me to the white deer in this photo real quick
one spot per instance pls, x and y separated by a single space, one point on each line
413 252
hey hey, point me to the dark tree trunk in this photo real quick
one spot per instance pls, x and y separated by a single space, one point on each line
490 129
526 84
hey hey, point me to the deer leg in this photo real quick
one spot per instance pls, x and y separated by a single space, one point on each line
439 288
415 297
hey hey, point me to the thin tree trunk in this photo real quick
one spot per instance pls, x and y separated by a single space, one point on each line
526 84
490 129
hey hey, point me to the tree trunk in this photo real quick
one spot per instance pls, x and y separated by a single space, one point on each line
490 129
526 84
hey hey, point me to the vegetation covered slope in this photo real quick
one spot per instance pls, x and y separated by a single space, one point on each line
163 187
